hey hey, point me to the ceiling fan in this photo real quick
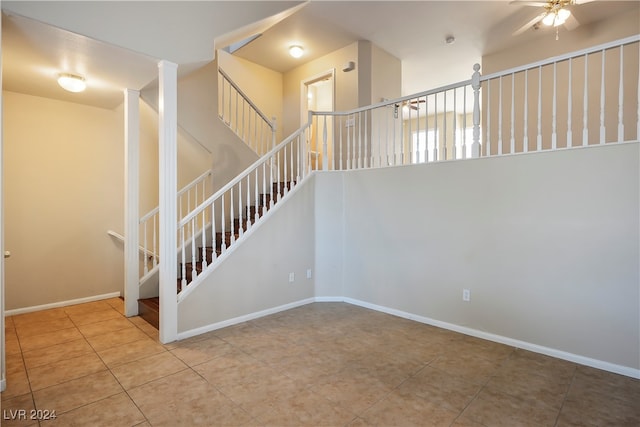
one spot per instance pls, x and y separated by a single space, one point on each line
555 13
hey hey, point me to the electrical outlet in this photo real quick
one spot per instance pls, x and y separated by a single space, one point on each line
292 277
466 295
309 273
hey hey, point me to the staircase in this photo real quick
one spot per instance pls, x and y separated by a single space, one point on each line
149 308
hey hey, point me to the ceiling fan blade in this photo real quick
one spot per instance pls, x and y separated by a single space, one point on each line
581 1
571 23
529 3
529 24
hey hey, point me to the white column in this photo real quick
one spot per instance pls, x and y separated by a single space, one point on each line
3 376
131 197
168 154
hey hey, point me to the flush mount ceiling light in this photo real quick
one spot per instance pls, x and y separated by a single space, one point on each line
296 51
71 82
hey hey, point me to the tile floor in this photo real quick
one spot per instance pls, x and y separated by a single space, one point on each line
324 364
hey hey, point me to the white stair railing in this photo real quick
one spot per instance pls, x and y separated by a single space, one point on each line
243 117
583 98
189 198
221 220
526 109
587 97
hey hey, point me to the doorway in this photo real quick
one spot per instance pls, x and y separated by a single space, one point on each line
318 94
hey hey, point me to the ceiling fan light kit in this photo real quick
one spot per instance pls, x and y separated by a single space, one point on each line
555 13
556 17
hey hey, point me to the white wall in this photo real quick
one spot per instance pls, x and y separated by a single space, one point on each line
255 276
547 243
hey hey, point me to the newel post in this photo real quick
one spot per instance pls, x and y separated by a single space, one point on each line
475 84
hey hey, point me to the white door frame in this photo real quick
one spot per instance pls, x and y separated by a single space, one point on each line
304 89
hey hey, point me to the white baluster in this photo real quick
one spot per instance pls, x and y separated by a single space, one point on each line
240 227
454 154
402 137
621 98
487 143
232 226
272 201
436 143
235 119
359 140
144 238
244 106
194 252
570 106
602 127
585 112
204 238
291 176
183 272
284 161
426 130
539 139
464 122
155 241
368 161
247 209
512 148
257 195
475 85
525 138
500 116
340 126
554 142
223 245
386 140
214 253
264 185
354 159
417 153
444 127
278 175
325 151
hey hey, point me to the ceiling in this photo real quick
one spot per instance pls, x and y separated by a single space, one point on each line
413 31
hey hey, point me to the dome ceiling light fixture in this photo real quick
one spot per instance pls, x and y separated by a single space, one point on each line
296 51
72 82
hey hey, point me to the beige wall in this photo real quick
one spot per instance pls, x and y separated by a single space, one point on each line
386 75
64 190
64 168
346 91
550 264
262 85
377 75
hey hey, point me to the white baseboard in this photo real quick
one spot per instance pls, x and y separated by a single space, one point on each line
559 354
60 304
245 318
